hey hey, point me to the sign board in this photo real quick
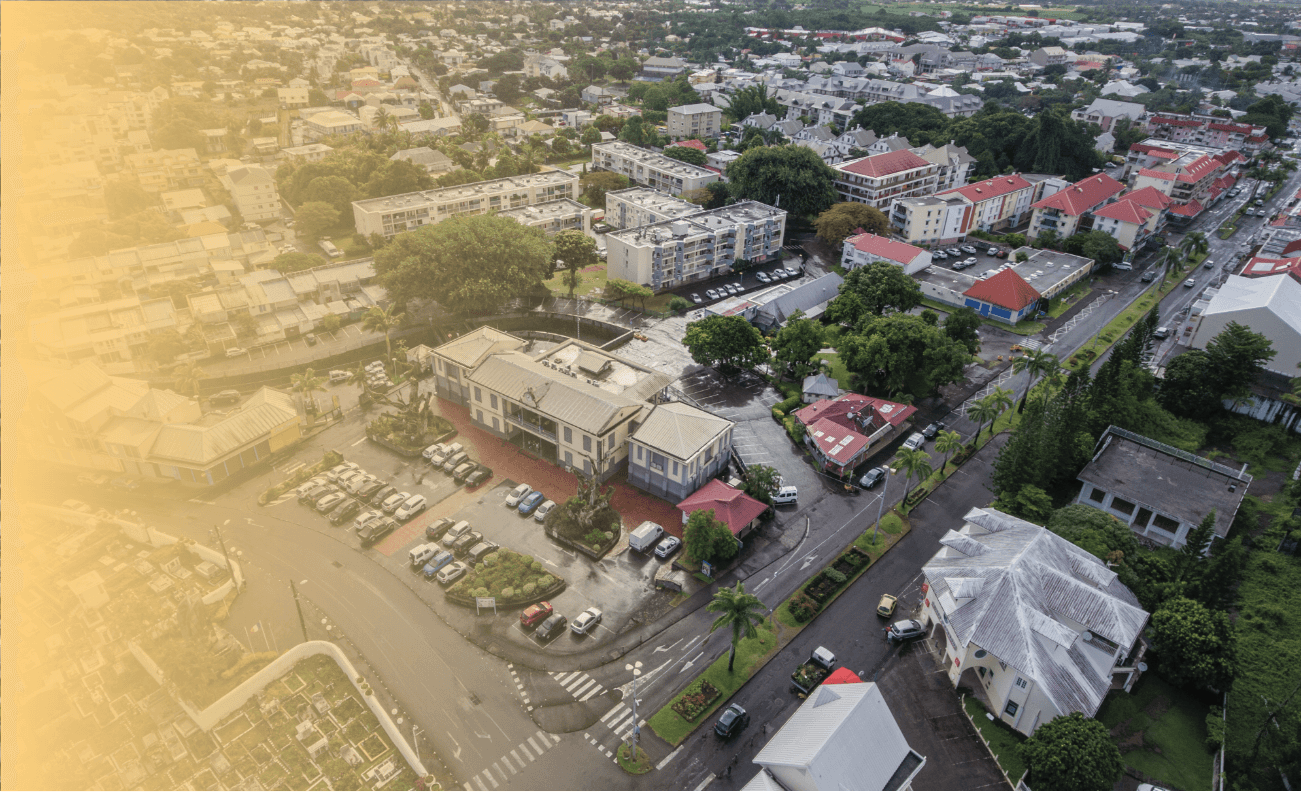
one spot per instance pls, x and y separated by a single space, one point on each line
485 602
707 568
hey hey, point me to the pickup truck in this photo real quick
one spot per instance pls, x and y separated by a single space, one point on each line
811 673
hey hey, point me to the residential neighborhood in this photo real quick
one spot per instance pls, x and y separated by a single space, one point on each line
694 395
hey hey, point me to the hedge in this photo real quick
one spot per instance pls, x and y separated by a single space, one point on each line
512 578
328 460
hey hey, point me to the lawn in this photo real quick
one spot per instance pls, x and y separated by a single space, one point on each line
835 369
1003 742
1161 731
750 655
1062 302
593 287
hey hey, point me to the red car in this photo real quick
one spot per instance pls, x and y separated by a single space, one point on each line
534 614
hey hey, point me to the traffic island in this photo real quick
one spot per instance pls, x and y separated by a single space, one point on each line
641 764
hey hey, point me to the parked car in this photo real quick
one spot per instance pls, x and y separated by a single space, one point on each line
349 476
667 546
711 294
455 460
731 289
967 249
586 621
1002 254
904 630
1190 283
516 495
993 251
468 540
954 252
480 475
939 255
410 508
452 573
763 277
461 471
535 613
439 457
303 488
311 339
970 261
367 517
872 477
455 532
393 501
541 514
695 298
384 494
1161 333
553 625
885 608
437 528
338 470
433 449
225 397
1208 264
1148 276
356 485
733 719
932 429
316 493
530 502
481 551
235 352
434 565
915 440
328 501
344 511
369 489
376 531
93 479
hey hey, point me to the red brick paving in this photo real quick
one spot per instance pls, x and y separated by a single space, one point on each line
508 462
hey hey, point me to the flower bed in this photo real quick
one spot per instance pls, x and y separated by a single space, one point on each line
328 460
512 578
695 699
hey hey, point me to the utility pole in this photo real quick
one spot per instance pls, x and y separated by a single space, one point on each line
221 541
876 530
301 621
635 668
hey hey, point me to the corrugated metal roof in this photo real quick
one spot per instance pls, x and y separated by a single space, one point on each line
470 349
202 445
567 400
1032 585
827 736
679 430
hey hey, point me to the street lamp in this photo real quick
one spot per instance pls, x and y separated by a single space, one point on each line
885 487
635 668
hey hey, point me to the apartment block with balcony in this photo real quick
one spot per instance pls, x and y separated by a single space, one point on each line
639 206
990 205
1206 130
1070 210
695 121
696 247
650 169
169 169
882 179
553 216
394 214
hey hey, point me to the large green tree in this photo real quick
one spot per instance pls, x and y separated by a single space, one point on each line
726 342
738 611
1237 356
1072 752
795 345
844 218
1193 645
882 288
792 177
902 355
333 190
315 218
286 263
596 184
706 538
572 251
687 154
749 101
918 123
468 265
962 325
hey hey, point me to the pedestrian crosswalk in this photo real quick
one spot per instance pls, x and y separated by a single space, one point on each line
579 685
619 720
512 762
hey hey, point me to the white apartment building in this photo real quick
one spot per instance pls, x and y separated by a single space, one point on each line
331 122
881 179
639 206
695 121
990 205
312 152
394 214
553 216
254 192
695 247
650 169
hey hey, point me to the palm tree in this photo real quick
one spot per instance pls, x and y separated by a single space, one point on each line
306 384
1036 363
740 611
381 117
187 377
1172 261
383 320
946 442
989 408
358 375
914 462
1194 244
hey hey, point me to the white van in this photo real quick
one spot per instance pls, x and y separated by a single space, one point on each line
422 553
645 536
786 495
337 376
410 508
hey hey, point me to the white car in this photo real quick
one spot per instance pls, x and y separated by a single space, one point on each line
915 440
392 502
541 514
235 352
586 621
433 449
339 470
410 507
518 494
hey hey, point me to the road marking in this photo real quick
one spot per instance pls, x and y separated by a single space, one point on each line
500 772
709 779
579 692
567 677
517 759
616 708
526 752
554 737
535 746
360 441
509 766
493 781
669 758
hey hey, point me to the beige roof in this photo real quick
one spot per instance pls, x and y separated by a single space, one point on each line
202 445
470 349
65 387
133 432
566 399
680 430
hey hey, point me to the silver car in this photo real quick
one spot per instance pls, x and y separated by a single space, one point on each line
915 441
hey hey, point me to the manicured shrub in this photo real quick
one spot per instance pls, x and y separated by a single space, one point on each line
507 593
836 576
529 588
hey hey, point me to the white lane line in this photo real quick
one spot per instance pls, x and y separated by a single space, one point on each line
535 746
567 677
583 684
615 709
669 758
555 738
709 779
596 691
491 780
359 442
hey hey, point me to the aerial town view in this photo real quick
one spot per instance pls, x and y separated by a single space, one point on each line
651 395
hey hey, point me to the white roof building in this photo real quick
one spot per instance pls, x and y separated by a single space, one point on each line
842 737
1269 305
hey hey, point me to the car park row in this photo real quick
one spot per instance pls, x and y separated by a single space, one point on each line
733 289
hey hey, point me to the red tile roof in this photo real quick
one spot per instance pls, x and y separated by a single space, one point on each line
1148 148
1190 209
731 506
836 442
1229 157
1149 197
1244 129
1260 266
885 248
1183 122
1083 195
840 407
1125 212
1005 289
1258 138
879 165
841 676
1083 66
1198 169
990 188
1156 174
695 144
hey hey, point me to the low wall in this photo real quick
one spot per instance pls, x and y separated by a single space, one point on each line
156 538
208 719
